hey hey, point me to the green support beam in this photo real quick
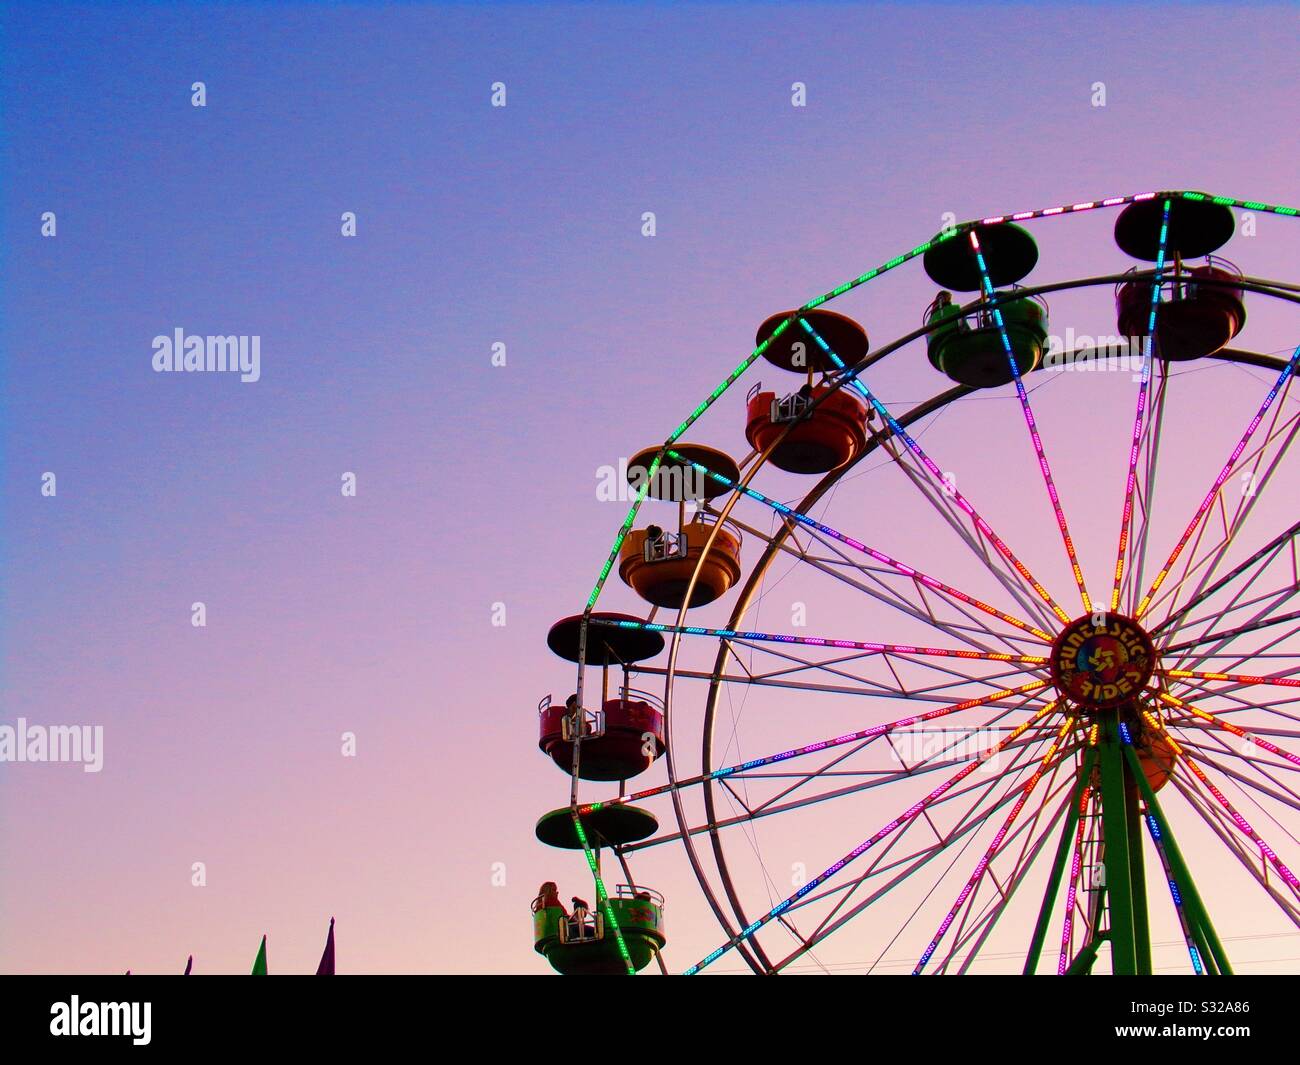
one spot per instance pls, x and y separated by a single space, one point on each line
1137 878
1123 880
1207 940
1063 857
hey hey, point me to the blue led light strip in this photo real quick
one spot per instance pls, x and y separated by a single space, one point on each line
933 469
821 641
871 841
1157 837
1034 436
879 556
1148 344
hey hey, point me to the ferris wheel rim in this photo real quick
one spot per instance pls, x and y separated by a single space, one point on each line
758 572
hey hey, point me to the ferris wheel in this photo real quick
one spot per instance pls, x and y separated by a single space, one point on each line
1036 738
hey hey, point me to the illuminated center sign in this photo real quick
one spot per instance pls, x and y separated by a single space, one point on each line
1102 661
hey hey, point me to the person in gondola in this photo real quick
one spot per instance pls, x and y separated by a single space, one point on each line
943 308
548 897
581 911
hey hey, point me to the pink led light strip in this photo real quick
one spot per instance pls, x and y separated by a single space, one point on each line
933 469
1138 420
857 545
821 745
1034 436
1242 824
1203 509
1228 726
909 814
1066 727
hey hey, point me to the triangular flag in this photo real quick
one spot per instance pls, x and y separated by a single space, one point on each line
326 966
188 966
259 966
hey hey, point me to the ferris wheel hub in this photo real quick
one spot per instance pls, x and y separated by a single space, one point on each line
1102 661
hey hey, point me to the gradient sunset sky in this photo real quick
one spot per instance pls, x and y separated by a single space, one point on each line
477 483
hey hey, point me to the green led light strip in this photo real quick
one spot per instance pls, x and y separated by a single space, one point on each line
602 896
920 249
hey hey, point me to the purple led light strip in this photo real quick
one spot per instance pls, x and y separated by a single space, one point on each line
1135 446
870 842
933 469
1201 511
1034 436
821 641
879 556
1026 790
821 745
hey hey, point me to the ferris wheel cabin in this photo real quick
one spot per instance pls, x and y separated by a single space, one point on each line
1201 308
581 943
817 428
624 737
977 348
665 568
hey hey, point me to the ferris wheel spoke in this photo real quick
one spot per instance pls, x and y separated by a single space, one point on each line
1287 709
747 637
910 769
1223 659
966 892
870 733
1283 379
911 580
977 634
1271 600
1210 756
1254 484
1241 630
938 675
879 556
1217 821
864 846
1144 494
953 679
969 822
858 689
1191 736
937 474
943 502
1043 465
1126 515
876 778
1264 555
1033 836
904 867
1250 774
972 626
1239 822
880 779
1241 678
